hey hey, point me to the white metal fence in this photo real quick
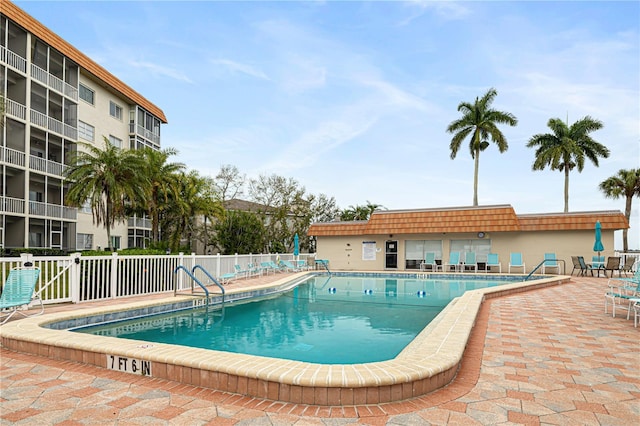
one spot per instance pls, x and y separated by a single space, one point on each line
78 278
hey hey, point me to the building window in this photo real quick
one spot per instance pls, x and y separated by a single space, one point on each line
115 242
115 141
416 250
86 131
84 241
87 94
115 110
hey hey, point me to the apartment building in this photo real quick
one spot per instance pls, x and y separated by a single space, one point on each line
55 96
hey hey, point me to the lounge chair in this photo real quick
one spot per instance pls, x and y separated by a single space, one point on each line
454 261
240 273
613 264
288 266
429 262
470 261
302 265
627 268
493 261
18 292
550 262
228 277
515 261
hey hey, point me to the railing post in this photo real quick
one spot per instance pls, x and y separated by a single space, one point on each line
114 275
26 259
218 265
74 277
180 263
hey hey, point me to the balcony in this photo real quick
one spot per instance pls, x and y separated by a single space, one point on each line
147 134
13 60
52 210
12 156
15 109
11 205
44 121
53 82
46 166
139 222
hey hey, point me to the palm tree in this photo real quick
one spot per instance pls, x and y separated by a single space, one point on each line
567 147
479 121
109 179
162 182
626 183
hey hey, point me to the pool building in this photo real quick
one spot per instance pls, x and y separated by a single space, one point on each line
400 239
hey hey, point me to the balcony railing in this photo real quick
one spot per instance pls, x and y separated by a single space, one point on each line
15 109
147 134
46 166
11 205
13 59
42 120
139 222
52 210
12 156
53 82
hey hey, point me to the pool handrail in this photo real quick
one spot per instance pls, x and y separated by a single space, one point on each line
564 267
206 292
193 271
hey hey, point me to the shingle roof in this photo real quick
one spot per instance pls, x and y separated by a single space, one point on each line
499 218
32 25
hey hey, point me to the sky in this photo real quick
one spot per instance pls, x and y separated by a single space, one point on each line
352 99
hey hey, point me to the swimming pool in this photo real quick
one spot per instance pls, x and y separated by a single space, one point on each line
344 319
429 362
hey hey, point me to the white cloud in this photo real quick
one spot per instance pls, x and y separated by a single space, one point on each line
237 67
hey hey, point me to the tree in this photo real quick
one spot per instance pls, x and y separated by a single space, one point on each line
229 183
567 147
359 212
109 179
162 181
285 210
479 121
194 199
626 183
240 232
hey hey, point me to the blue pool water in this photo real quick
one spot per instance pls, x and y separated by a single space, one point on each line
325 320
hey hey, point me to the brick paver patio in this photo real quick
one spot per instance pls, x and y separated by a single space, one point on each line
545 357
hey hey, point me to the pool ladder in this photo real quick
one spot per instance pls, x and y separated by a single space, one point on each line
191 275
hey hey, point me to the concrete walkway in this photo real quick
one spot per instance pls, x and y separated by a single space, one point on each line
545 357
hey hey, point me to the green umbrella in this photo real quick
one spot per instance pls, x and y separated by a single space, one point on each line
597 246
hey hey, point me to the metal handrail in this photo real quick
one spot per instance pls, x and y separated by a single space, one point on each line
206 292
564 267
193 271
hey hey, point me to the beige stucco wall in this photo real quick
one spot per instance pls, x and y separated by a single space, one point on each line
345 253
98 116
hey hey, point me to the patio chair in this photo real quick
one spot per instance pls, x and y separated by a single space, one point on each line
288 266
515 261
429 261
550 261
493 261
227 278
613 264
470 261
586 267
18 292
621 293
240 272
636 312
597 262
629 263
454 261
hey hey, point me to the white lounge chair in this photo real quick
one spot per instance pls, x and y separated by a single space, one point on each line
470 261
493 261
454 260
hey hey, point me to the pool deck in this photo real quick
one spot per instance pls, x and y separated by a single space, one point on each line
547 356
